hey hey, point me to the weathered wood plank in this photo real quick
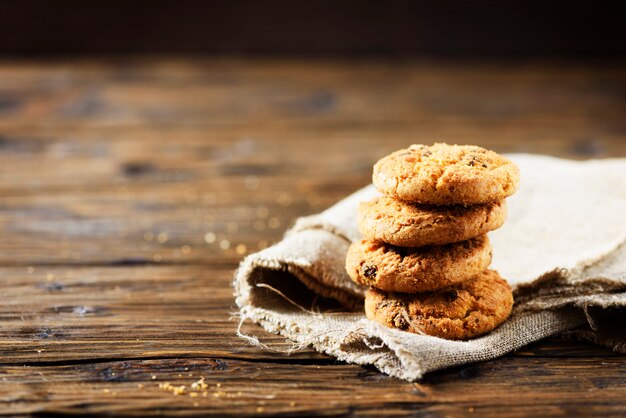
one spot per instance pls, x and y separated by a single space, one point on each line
59 314
572 387
168 224
106 158
222 92
82 200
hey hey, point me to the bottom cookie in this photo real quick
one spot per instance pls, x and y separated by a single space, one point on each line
466 310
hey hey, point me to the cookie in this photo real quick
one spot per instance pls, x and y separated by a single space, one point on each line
414 225
444 174
401 269
467 310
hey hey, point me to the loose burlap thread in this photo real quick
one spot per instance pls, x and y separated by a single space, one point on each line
563 249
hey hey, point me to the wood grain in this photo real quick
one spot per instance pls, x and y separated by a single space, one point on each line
237 387
130 189
57 315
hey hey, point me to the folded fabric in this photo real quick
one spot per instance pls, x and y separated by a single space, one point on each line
562 248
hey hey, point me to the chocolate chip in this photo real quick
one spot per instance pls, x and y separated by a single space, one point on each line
384 304
426 154
369 271
399 322
475 161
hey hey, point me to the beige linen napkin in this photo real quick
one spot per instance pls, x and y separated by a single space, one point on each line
562 248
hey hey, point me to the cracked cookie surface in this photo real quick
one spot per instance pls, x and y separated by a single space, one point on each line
401 269
443 174
467 310
413 225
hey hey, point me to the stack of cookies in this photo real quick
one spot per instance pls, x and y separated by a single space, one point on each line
426 254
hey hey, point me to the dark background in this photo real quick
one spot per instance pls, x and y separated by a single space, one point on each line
479 29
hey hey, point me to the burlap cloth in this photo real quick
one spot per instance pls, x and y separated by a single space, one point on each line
562 249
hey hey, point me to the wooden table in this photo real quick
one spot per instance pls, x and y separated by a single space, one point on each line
131 188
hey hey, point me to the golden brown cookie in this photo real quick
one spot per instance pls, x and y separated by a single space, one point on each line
467 310
444 174
400 269
413 225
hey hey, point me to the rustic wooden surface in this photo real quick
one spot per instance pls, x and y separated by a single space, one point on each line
130 189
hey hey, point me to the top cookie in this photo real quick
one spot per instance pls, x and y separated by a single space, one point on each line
444 174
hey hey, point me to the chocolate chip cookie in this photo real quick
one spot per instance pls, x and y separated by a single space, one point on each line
414 225
400 269
466 310
444 174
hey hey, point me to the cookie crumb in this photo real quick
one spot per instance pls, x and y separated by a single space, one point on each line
284 199
199 384
273 223
232 227
209 237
